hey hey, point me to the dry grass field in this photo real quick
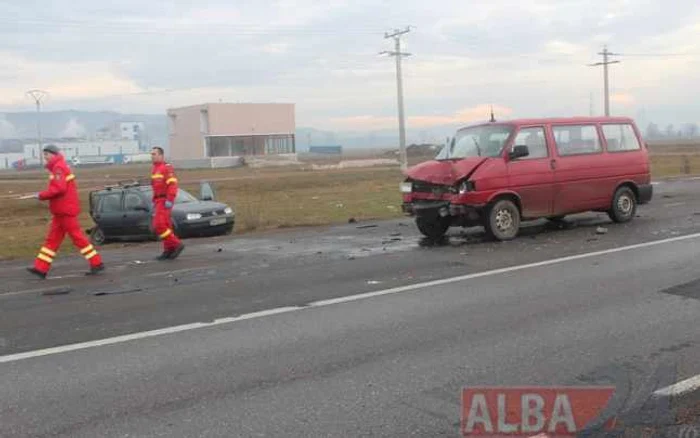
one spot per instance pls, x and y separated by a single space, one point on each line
265 198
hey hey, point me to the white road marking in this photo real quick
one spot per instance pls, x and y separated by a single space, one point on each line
679 388
321 303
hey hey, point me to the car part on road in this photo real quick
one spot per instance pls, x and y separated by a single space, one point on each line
97 236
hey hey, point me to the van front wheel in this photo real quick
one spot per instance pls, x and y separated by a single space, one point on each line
433 228
624 205
503 220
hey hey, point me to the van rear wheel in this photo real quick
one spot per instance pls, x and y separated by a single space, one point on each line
503 220
624 205
433 228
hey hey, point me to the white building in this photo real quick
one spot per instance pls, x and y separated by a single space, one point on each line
132 130
88 148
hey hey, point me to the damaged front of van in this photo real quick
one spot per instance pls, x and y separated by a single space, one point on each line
455 188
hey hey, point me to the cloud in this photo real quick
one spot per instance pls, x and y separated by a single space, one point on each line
146 56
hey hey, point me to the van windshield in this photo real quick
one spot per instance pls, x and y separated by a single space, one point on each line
477 141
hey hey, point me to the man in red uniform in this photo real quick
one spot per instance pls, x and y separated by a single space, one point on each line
164 185
64 204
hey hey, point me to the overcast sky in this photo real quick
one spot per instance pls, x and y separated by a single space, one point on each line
527 58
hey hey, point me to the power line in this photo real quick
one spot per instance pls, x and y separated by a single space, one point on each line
396 35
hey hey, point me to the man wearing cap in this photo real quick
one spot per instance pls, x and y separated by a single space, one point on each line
64 204
165 187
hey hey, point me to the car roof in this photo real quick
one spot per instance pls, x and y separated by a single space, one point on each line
550 120
122 187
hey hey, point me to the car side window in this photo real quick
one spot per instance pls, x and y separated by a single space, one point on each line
535 140
111 203
134 200
577 140
620 138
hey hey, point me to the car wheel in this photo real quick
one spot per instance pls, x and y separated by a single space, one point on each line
97 236
503 220
624 205
433 228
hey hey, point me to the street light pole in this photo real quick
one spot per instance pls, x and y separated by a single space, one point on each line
38 95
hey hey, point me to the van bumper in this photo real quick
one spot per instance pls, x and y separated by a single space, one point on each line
460 214
646 192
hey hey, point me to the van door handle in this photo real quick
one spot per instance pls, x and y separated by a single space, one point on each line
553 164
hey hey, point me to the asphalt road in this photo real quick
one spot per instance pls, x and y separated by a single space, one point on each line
391 364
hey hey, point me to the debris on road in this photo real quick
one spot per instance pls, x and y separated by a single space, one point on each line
601 230
367 226
118 291
352 220
57 291
373 282
395 234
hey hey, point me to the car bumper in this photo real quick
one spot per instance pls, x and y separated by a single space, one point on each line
210 225
646 192
461 214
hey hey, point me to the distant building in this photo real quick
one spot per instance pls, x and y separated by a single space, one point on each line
132 130
231 130
87 148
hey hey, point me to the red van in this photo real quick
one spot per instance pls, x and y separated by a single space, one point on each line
497 174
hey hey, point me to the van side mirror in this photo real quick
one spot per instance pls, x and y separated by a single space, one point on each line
519 151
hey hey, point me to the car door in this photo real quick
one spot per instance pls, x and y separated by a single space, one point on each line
137 214
109 214
579 167
532 177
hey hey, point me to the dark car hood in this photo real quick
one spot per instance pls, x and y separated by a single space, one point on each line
198 207
446 172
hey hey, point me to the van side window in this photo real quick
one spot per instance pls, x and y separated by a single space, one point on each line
577 139
534 139
621 137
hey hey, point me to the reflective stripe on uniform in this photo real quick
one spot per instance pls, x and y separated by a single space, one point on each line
87 249
90 255
171 180
157 176
45 258
167 233
47 251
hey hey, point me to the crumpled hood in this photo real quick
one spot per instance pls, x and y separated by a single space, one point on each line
446 172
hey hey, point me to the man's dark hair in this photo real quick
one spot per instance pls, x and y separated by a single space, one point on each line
159 149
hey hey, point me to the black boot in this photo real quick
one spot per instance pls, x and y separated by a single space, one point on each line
37 272
176 252
94 270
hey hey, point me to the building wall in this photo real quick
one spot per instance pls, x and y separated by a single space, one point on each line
185 138
251 118
190 125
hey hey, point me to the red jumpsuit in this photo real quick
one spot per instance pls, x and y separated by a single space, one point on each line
64 204
164 185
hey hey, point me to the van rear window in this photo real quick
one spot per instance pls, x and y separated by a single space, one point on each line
621 137
577 140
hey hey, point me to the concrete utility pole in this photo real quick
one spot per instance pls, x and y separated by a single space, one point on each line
605 64
38 95
396 35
